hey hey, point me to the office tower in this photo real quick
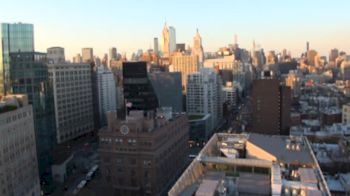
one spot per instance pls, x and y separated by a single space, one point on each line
345 68
156 46
56 55
197 48
253 164
271 58
106 87
181 47
172 39
14 38
186 64
271 106
293 80
165 41
143 155
19 166
230 94
307 46
138 89
333 54
77 59
113 53
73 100
168 89
204 95
87 55
29 75
311 54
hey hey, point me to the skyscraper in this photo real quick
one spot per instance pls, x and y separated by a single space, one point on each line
168 42
197 48
138 89
155 46
165 41
204 95
29 75
106 87
55 55
113 53
185 64
77 58
333 54
19 166
271 106
87 55
172 39
73 100
14 38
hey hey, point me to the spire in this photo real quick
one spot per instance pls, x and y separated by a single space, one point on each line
254 45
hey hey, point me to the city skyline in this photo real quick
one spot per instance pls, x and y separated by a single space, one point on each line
78 24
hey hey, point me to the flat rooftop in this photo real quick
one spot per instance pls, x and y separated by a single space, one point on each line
252 164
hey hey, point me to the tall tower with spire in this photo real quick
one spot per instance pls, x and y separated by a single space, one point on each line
165 41
197 48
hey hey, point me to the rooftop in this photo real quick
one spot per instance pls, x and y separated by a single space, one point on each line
12 102
253 164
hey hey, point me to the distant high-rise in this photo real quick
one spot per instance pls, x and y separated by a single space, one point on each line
172 39
197 48
77 59
168 42
138 90
271 106
204 95
186 64
165 41
19 166
14 38
311 54
155 46
333 54
106 87
55 55
29 75
307 46
113 53
345 68
87 55
73 100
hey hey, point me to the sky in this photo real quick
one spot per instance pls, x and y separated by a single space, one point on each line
130 25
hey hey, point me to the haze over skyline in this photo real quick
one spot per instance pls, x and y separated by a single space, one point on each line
132 25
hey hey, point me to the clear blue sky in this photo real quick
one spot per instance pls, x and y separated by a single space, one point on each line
132 24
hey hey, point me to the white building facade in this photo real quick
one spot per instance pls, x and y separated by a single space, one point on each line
106 88
72 86
19 174
204 95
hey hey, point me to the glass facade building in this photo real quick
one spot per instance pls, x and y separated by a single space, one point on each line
29 75
14 38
